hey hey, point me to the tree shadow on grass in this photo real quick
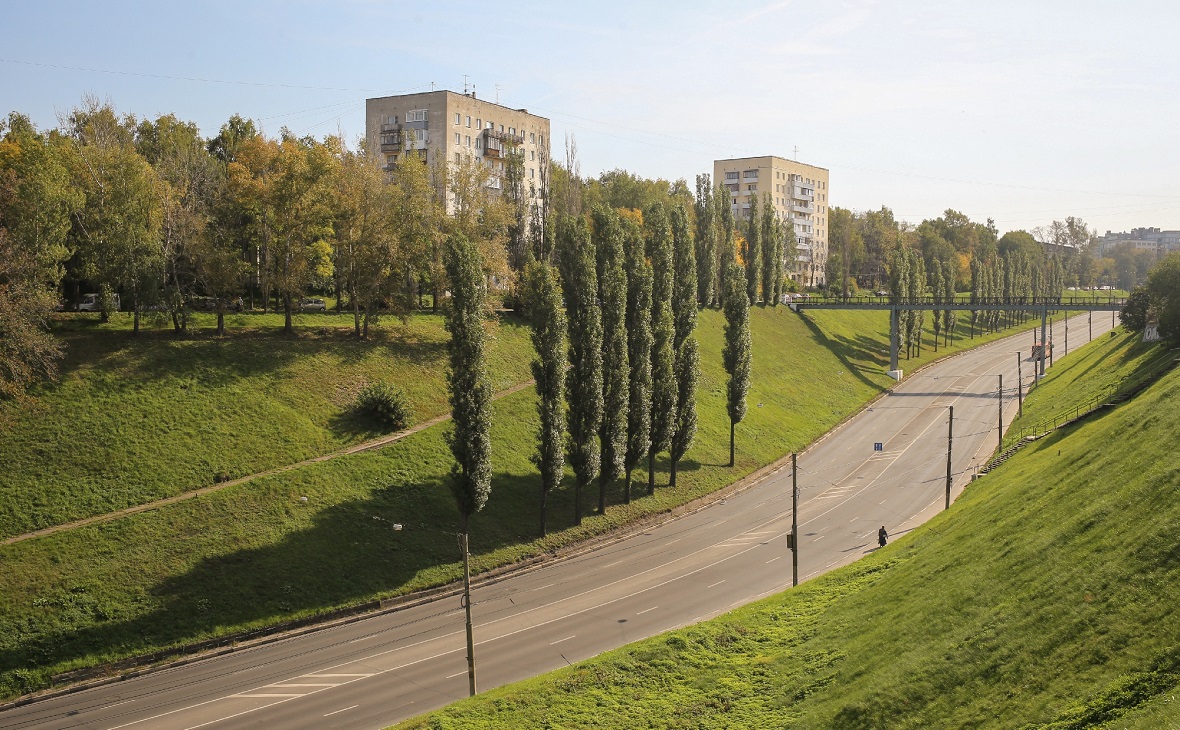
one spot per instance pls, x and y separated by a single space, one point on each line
863 349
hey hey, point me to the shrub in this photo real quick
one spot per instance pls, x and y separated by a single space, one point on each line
384 404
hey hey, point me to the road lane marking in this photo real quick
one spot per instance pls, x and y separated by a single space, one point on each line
768 562
308 684
716 584
273 694
318 675
457 674
640 613
551 643
550 585
341 710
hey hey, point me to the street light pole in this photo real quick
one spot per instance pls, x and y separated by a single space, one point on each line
794 520
950 436
1000 436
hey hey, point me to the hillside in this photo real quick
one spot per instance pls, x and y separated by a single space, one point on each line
238 558
1048 596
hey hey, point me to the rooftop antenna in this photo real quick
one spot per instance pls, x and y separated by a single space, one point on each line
796 153
498 87
432 86
464 84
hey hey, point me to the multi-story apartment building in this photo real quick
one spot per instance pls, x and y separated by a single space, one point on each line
1162 242
444 127
799 195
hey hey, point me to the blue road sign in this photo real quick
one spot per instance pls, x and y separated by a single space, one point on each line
878 446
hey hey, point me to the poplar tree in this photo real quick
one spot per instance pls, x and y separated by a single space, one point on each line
612 292
639 344
948 295
549 342
579 282
771 250
736 353
706 241
936 289
752 251
687 360
471 402
727 252
663 374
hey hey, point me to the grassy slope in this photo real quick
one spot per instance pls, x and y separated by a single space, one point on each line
137 419
1048 596
252 555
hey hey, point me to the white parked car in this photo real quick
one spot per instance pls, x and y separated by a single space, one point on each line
93 303
312 304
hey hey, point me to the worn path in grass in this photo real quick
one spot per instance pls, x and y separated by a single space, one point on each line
678 573
355 449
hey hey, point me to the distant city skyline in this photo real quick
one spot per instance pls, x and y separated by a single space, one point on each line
1019 112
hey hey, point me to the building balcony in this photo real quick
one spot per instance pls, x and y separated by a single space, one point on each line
494 183
799 194
391 145
386 128
802 207
750 178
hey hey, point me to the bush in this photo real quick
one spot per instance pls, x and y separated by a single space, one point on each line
384 404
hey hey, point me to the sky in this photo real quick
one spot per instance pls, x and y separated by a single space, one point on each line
1022 112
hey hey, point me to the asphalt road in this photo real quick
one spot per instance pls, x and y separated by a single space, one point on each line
374 672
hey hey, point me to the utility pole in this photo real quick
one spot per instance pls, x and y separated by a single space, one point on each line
1000 438
1019 387
1050 343
1067 334
467 608
1091 324
950 440
794 520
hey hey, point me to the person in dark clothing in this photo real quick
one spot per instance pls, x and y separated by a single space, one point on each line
882 536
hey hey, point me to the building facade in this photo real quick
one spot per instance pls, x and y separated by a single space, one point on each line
1152 239
799 195
446 128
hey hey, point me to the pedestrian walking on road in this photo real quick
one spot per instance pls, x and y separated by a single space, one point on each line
882 536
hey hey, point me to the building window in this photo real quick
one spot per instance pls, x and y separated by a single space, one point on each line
469 140
512 131
456 119
542 137
501 127
479 124
417 115
531 173
456 158
490 124
478 143
469 121
731 176
532 138
458 139
532 155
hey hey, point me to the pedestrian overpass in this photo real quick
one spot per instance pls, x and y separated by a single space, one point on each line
895 306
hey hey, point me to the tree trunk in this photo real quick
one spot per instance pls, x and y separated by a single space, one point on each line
467 609
627 488
578 501
672 473
601 495
731 426
220 322
287 327
544 495
651 471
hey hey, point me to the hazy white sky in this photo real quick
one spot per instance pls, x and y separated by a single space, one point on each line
1019 111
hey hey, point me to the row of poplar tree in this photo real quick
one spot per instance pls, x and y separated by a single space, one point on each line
614 310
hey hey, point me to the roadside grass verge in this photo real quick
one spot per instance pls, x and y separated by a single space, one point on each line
1094 372
255 554
140 418
1048 596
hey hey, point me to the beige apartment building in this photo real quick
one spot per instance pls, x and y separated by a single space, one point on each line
450 127
799 195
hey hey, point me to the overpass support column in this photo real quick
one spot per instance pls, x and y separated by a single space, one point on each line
894 337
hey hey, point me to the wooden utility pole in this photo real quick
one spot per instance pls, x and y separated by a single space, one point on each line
1019 387
1000 437
467 608
950 440
794 520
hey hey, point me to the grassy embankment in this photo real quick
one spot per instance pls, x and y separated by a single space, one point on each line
1047 597
255 554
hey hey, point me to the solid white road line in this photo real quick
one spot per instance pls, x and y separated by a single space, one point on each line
640 613
333 712
551 643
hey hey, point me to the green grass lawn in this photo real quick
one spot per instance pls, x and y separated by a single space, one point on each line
140 418
1047 597
255 554
1064 392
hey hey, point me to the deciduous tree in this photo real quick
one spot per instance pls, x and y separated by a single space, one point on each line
639 347
736 353
612 293
549 342
663 355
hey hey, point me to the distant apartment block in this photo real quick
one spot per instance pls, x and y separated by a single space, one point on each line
1153 239
799 194
443 127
